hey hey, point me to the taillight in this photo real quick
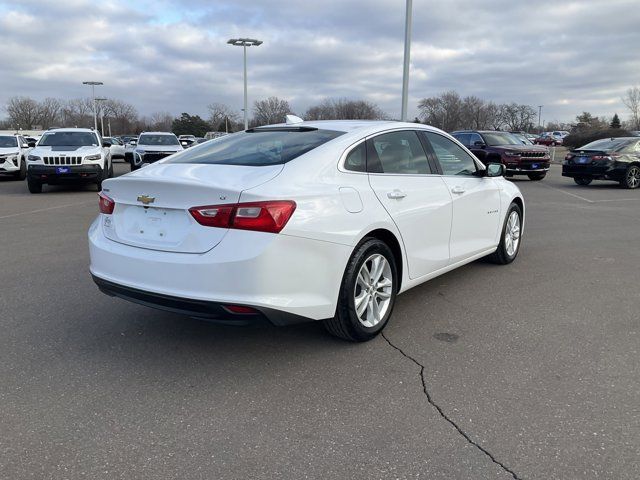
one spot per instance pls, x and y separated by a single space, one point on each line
106 204
270 216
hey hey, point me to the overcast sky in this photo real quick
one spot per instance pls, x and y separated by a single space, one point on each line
172 55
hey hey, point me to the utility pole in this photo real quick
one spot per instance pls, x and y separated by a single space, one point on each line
407 55
539 115
93 95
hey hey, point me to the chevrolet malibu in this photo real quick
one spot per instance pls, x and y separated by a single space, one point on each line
323 220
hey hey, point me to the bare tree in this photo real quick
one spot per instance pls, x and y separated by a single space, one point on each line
50 109
160 121
78 113
517 117
271 110
23 112
632 102
444 111
123 116
221 117
344 109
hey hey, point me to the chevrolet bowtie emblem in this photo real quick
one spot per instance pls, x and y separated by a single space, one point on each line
146 199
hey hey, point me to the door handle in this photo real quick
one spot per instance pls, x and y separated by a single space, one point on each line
396 195
458 190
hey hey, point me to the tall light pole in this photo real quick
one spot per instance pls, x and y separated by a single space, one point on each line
244 43
101 115
539 114
93 95
407 58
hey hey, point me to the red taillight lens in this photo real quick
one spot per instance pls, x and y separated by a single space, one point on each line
271 216
106 204
240 310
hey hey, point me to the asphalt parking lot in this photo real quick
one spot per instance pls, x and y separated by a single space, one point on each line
528 371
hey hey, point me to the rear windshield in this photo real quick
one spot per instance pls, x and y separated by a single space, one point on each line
257 147
158 140
504 138
68 139
6 142
607 144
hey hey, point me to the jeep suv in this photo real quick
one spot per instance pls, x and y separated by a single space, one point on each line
503 147
69 155
154 146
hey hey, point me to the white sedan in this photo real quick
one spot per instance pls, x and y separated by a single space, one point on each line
324 220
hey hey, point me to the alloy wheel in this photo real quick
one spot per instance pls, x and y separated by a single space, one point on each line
512 234
633 177
373 289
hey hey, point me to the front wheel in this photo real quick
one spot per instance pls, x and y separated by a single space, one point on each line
367 293
631 177
22 173
511 237
34 186
537 176
584 181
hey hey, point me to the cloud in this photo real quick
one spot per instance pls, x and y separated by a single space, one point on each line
173 56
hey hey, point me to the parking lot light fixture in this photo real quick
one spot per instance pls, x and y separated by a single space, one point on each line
93 96
244 43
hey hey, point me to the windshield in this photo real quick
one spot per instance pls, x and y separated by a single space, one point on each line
523 139
163 140
607 144
500 138
68 139
7 142
257 147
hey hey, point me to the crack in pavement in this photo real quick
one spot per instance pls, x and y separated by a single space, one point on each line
444 416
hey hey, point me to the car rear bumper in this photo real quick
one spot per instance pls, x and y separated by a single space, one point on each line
594 172
76 173
287 279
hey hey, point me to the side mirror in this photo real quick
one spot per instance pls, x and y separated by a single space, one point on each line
495 170
31 144
132 142
106 144
478 143
25 145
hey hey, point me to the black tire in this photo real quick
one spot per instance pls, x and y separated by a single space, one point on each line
536 176
345 324
110 175
631 179
34 186
22 173
133 165
584 181
501 256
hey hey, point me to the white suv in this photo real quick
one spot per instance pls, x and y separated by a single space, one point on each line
154 146
69 155
13 155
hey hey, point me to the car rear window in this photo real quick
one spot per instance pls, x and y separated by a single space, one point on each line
608 144
257 147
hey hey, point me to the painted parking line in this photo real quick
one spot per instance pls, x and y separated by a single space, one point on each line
586 199
45 209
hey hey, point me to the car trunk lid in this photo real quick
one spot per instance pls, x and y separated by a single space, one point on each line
152 204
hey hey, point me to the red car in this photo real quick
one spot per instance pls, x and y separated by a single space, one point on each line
549 140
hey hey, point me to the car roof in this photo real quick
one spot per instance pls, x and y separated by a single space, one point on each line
89 130
158 133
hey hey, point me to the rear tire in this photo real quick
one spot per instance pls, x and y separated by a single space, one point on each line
631 178
367 293
511 237
584 181
34 186
536 176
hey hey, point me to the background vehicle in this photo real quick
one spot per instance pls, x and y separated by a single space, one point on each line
14 150
129 142
522 137
616 159
549 139
302 221
117 147
69 155
211 135
503 147
154 146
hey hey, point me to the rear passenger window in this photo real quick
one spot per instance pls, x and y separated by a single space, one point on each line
453 159
398 153
463 138
356 160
